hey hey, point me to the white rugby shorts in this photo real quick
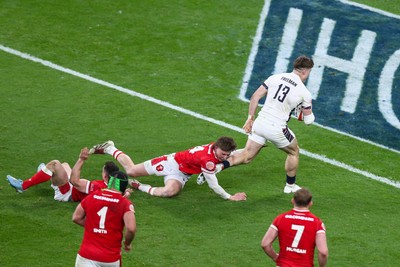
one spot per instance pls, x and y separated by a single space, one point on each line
83 262
60 196
264 131
166 166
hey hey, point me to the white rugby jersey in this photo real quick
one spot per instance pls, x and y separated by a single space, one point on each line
285 92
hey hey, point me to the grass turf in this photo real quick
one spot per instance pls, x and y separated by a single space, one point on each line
191 54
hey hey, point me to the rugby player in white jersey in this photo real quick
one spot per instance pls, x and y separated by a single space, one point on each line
284 93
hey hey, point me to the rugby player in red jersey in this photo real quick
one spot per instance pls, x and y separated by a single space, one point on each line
177 168
299 232
104 214
59 175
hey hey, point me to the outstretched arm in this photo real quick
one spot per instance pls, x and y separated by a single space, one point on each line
212 182
75 179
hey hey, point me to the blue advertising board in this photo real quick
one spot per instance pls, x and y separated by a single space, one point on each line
355 82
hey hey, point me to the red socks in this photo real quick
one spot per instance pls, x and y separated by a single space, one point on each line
38 178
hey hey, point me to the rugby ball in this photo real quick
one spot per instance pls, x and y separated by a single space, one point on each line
298 112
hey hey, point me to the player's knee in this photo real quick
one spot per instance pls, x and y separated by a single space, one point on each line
52 164
169 192
131 172
171 188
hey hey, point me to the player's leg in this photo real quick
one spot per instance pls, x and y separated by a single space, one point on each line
41 176
171 188
292 159
284 139
174 180
125 160
245 155
60 172
133 170
255 142
291 165
60 179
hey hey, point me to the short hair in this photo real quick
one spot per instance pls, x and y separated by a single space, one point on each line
303 62
302 197
110 167
226 143
118 180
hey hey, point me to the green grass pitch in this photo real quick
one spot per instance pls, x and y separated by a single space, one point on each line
191 54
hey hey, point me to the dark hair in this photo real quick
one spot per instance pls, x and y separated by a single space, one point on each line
302 197
110 167
118 180
226 144
303 62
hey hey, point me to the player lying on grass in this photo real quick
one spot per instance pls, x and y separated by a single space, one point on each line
65 189
177 168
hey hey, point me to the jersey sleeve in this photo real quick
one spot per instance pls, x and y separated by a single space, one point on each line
208 166
321 227
128 206
276 222
212 182
307 99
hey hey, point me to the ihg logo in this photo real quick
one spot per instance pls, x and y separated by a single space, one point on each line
356 79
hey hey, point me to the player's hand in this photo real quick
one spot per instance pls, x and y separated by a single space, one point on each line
84 155
238 197
127 248
128 192
248 125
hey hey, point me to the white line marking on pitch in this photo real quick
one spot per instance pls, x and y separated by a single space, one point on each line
191 113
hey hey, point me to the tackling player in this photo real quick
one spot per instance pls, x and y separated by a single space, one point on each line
177 168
